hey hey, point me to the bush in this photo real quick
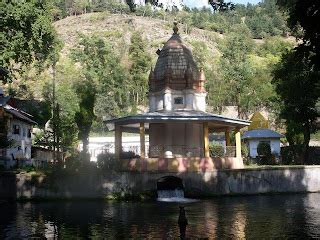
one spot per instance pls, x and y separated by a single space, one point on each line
287 155
264 153
108 162
294 155
216 150
73 161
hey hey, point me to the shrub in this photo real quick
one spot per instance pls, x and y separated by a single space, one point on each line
287 155
216 150
73 161
108 162
264 153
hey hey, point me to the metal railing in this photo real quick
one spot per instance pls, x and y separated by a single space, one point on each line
159 151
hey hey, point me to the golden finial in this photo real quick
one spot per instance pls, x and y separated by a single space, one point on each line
175 27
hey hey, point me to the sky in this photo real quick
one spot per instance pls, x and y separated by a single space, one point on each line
201 3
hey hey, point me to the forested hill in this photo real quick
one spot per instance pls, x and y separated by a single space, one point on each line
106 56
118 28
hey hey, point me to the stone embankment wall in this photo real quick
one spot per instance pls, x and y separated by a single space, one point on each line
197 184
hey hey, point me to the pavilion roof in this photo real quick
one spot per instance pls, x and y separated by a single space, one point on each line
179 116
261 133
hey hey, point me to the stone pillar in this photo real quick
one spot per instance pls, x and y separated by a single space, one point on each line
118 141
142 141
227 137
238 143
206 139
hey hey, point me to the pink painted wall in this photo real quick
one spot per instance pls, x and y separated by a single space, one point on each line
181 164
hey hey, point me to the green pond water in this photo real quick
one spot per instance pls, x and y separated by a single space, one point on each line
251 217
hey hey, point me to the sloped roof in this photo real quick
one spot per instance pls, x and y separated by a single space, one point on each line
261 133
182 115
19 114
175 67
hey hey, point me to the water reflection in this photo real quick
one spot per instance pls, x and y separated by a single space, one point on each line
255 217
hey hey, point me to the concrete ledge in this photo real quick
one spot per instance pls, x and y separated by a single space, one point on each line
280 179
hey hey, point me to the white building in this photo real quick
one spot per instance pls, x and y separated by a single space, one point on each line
254 137
98 145
16 128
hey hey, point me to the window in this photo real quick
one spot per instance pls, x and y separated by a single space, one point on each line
24 132
29 133
178 100
16 129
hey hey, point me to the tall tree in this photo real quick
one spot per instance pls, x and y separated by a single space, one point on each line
140 66
300 94
26 34
235 67
298 87
104 90
85 116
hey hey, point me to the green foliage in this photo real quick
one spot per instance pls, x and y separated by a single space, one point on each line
108 162
264 153
84 117
26 34
275 46
304 16
200 53
298 87
216 150
265 20
264 149
236 70
101 90
140 66
288 155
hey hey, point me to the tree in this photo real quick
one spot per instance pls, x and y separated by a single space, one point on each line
300 94
236 69
104 88
305 15
26 33
84 117
140 66
298 87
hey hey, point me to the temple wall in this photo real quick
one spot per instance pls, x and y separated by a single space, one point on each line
182 139
165 100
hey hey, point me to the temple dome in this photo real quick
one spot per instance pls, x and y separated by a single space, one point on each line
175 68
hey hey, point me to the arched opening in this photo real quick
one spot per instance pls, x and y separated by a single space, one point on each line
170 183
170 188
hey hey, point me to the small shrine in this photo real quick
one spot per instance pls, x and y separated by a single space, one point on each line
177 122
259 131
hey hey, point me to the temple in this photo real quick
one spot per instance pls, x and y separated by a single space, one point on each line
177 122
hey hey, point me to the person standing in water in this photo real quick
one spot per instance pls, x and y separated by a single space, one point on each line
182 222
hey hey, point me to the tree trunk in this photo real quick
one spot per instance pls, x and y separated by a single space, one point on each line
306 140
85 143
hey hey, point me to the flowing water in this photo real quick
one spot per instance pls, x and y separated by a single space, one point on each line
176 195
251 217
